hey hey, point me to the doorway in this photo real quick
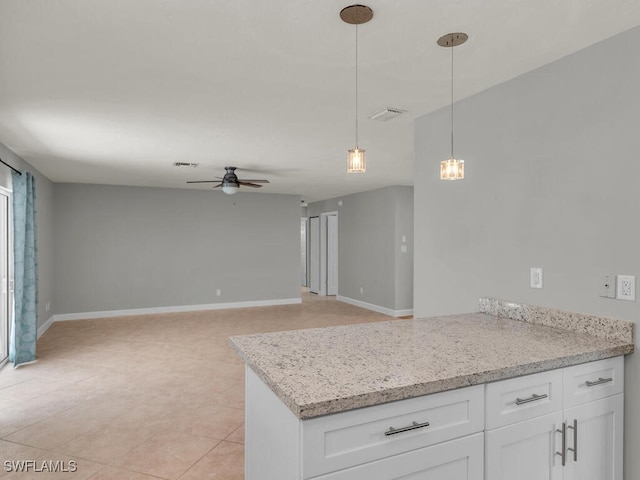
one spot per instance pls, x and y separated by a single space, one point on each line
314 255
332 254
329 253
5 270
303 251
323 254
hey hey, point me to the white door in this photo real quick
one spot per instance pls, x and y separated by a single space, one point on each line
4 277
598 438
314 254
332 255
525 450
303 252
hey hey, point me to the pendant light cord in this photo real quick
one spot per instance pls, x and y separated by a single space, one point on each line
356 86
452 98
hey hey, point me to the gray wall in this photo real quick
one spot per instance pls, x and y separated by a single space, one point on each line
133 247
403 226
370 226
44 220
552 181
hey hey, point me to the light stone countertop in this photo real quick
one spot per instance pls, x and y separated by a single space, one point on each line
328 370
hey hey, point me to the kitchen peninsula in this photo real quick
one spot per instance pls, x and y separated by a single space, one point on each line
430 396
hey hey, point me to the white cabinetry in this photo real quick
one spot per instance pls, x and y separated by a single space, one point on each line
430 437
580 440
594 409
563 424
525 450
459 459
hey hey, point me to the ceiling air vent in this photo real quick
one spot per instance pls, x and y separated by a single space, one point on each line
185 164
387 114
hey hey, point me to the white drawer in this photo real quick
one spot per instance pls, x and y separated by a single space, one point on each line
591 381
522 398
343 440
457 459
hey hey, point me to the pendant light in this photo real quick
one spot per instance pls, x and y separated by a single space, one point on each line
453 168
356 15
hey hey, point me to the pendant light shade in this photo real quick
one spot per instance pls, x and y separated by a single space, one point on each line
356 15
453 168
356 162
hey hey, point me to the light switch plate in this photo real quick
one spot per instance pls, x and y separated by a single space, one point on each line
608 285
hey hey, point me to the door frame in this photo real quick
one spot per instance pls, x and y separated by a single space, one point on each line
5 192
323 249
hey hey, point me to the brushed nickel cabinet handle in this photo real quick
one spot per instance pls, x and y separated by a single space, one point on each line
600 381
563 454
532 398
574 427
413 426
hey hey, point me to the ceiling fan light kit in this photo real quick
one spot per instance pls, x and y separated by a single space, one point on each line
452 168
356 15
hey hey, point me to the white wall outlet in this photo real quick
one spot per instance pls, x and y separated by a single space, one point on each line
608 286
218 292
47 306
361 289
404 239
626 287
536 277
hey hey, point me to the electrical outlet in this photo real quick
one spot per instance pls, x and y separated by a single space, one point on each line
218 292
608 286
536 277
626 287
361 289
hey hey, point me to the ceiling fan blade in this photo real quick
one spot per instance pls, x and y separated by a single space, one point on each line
203 181
249 184
254 181
216 186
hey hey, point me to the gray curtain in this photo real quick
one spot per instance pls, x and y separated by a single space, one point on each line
22 347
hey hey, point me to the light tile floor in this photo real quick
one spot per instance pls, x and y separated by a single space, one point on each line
143 397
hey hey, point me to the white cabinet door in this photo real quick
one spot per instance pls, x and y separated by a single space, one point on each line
598 438
525 450
459 459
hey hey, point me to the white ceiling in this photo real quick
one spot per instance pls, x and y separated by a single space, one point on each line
115 91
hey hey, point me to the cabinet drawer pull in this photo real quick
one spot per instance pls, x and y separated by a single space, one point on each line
532 398
574 427
413 426
563 452
600 381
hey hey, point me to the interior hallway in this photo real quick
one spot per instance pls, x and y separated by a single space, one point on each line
144 397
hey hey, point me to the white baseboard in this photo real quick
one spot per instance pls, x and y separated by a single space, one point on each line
182 308
375 308
45 326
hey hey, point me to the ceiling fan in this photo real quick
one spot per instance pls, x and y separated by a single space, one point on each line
230 183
